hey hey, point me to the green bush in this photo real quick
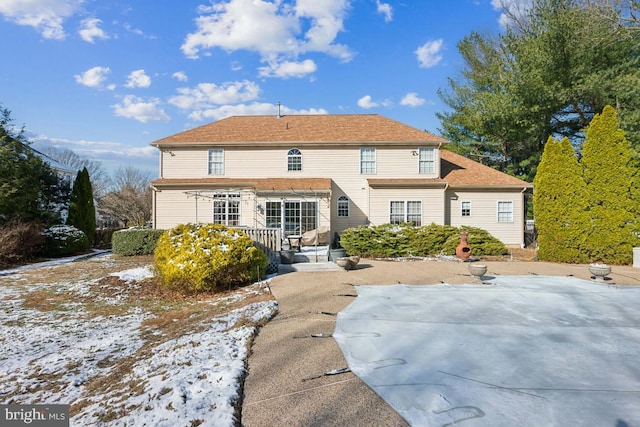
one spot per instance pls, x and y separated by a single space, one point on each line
193 258
480 241
134 241
401 240
65 240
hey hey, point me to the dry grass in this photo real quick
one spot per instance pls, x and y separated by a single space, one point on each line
86 290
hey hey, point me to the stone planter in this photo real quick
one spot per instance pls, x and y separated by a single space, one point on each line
334 254
287 256
345 263
599 271
477 271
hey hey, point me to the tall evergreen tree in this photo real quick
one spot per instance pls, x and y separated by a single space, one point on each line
29 189
560 204
82 212
549 73
609 176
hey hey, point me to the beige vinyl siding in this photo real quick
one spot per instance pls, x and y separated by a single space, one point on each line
432 203
177 207
484 213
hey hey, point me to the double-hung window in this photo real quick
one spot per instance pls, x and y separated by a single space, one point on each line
405 211
465 208
294 160
427 160
367 160
216 161
505 211
226 209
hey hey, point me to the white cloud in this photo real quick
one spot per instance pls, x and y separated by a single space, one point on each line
412 99
367 103
94 77
138 78
288 69
180 76
429 53
248 109
46 16
275 30
89 30
510 9
133 107
386 10
207 95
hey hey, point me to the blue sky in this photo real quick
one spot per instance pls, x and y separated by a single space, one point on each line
106 78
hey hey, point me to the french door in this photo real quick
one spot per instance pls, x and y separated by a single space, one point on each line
292 216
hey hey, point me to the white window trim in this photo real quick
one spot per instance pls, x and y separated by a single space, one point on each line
375 161
462 202
498 211
347 201
433 162
289 156
209 169
406 210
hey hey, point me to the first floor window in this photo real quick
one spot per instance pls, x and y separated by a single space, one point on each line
505 211
405 211
465 208
216 161
226 209
343 206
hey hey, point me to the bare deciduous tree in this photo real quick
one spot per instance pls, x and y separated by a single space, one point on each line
129 201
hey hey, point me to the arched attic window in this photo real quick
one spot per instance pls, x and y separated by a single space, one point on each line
294 160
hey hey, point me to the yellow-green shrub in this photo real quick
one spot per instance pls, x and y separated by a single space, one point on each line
204 257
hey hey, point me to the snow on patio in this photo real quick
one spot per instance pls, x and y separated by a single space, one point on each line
116 369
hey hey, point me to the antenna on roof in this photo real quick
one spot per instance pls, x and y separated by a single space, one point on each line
279 105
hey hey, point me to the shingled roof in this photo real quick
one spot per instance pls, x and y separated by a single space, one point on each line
322 128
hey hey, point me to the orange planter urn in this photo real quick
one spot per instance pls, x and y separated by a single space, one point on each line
463 251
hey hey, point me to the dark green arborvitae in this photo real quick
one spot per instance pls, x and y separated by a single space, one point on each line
560 204
609 178
82 212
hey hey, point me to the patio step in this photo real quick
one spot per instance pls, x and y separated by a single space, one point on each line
310 257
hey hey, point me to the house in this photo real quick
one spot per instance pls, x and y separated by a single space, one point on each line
300 172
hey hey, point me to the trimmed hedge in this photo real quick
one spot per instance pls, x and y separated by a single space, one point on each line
135 241
65 240
403 240
194 258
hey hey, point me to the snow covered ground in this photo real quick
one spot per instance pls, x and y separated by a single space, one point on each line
118 357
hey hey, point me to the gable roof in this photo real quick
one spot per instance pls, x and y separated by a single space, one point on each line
322 128
457 172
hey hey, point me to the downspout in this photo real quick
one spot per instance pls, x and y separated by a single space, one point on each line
522 217
154 218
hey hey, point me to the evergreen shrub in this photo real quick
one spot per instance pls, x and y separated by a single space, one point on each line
403 240
193 258
65 240
135 241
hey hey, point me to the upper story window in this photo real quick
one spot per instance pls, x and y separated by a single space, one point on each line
505 211
367 160
427 160
343 206
216 161
294 160
465 208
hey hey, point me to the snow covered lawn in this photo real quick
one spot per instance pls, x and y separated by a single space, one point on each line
97 334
